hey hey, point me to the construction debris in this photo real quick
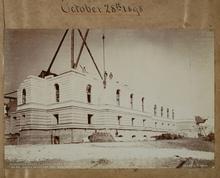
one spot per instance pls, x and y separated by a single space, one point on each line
190 162
101 137
167 136
100 162
210 137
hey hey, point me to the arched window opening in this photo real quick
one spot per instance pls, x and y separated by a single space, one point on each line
131 99
118 97
23 96
155 110
144 121
173 113
88 91
168 113
161 111
142 104
57 88
132 121
6 109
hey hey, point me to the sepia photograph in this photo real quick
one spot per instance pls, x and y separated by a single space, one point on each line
109 98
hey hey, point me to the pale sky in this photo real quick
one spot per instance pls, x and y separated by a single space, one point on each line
171 68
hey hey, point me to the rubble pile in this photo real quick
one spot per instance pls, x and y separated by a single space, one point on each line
167 136
210 137
101 137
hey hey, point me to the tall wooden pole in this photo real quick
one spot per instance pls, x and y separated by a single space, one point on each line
103 52
72 48
55 55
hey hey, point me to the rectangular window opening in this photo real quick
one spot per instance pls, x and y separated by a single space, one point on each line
144 122
119 120
57 118
89 98
90 118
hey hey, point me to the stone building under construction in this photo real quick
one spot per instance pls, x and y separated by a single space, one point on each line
69 107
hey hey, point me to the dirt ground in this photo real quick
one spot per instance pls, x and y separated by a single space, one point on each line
147 154
188 143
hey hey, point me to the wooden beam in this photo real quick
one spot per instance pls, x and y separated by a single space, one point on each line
55 55
10 97
11 92
72 48
81 48
80 33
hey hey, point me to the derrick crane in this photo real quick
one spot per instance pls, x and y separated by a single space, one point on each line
74 64
46 73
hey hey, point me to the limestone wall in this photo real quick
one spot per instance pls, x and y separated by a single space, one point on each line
44 119
72 87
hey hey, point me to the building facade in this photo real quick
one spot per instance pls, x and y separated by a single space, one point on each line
71 106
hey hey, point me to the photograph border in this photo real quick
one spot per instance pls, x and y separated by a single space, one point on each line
29 14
